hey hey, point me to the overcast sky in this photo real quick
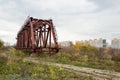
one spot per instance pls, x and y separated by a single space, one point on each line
74 19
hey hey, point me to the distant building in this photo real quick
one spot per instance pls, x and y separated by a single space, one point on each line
65 44
115 44
100 43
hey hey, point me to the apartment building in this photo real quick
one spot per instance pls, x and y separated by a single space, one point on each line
115 44
100 43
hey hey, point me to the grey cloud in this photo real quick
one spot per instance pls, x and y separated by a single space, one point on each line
79 18
103 4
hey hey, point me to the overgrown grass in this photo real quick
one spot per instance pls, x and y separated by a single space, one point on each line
22 70
82 60
14 67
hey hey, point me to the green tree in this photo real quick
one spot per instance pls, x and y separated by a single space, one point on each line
1 43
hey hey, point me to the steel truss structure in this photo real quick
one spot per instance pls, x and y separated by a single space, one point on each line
37 35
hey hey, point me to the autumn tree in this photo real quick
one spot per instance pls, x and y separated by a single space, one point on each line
84 49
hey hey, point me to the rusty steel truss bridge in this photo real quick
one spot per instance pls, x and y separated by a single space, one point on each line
37 35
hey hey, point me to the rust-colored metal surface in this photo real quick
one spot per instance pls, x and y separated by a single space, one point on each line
37 35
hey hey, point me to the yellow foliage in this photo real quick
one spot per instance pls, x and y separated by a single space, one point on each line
61 68
83 47
52 73
77 46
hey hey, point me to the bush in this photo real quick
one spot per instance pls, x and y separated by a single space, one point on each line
116 55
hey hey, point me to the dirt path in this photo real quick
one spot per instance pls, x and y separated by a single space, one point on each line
97 74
